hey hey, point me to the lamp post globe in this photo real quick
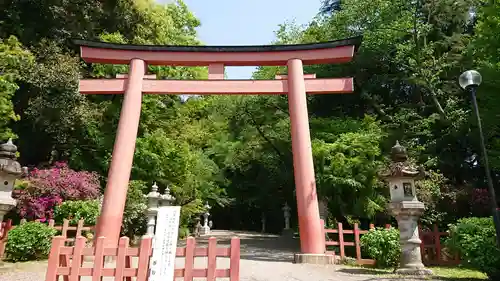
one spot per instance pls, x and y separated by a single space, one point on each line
470 78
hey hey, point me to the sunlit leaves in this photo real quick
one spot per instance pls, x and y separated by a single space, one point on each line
15 60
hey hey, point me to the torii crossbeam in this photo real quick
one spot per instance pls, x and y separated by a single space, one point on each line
295 84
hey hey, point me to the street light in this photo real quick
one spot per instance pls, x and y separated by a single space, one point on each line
469 81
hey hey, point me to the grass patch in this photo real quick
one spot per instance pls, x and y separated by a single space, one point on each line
440 273
458 273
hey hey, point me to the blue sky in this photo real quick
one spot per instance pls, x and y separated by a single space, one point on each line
247 22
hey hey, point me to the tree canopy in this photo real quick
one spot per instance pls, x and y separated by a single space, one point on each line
235 151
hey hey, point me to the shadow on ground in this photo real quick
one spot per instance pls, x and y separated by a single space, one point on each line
259 247
388 275
364 271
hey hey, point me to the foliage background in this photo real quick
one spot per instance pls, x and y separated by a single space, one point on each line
235 152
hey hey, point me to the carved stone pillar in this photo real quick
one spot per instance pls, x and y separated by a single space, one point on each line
407 214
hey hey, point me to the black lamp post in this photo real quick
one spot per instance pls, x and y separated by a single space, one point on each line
469 81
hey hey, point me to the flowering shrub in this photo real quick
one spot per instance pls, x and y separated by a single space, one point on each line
480 201
48 188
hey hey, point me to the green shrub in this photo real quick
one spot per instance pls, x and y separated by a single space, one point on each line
184 232
87 210
29 241
475 240
383 246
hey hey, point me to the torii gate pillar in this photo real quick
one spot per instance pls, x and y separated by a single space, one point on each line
311 234
115 194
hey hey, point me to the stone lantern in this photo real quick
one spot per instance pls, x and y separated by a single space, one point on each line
10 170
155 201
406 208
205 229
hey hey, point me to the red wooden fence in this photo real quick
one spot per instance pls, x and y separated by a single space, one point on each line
6 226
123 254
432 251
342 243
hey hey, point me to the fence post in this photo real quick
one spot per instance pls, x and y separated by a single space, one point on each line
76 263
234 260
64 230
322 223
5 228
341 240
98 258
144 254
189 258
121 258
79 227
54 256
357 243
211 258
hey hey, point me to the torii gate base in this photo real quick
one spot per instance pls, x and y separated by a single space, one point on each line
295 85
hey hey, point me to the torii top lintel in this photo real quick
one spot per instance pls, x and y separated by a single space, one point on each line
339 51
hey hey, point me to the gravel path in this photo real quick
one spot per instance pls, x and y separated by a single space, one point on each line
263 258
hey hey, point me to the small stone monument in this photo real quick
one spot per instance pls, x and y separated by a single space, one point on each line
205 229
406 208
10 170
156 200
287 231
197 228
323 209
286 214
263 222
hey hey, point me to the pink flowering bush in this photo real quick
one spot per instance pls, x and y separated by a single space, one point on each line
48 188
480 196
480 201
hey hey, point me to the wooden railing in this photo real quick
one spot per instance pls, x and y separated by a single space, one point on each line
432 251
6 226
342 244
60 255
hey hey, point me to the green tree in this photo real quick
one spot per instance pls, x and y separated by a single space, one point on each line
15 59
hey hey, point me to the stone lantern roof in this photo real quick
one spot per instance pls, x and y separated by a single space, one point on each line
8 163
399 166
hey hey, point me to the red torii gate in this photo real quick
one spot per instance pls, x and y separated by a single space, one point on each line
296 84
